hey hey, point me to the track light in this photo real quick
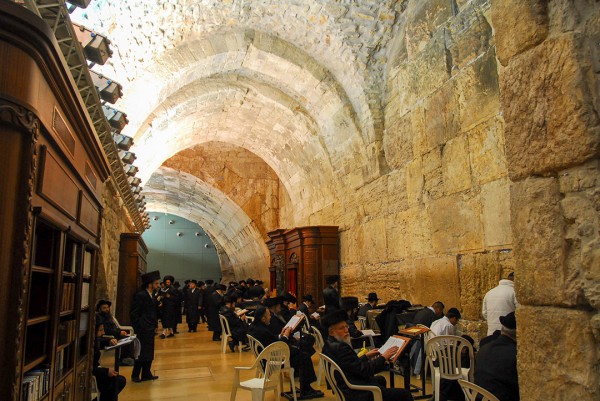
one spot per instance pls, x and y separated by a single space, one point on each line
117 119
134 181
95 46
136 190
123 142
109 90
80 3
127 157
131 170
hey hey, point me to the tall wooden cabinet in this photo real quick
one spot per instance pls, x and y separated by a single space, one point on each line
52 170
132 264
302 258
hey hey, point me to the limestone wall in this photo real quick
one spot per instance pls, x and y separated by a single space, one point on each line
549 55
115 221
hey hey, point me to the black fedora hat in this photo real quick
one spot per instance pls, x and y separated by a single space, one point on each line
372 297
509 321
102 302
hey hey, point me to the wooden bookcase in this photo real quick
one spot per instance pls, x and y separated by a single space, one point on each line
52 172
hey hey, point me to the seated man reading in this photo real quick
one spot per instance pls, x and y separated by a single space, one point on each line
110 383
358 370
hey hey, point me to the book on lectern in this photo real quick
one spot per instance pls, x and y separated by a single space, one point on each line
395 341
294 321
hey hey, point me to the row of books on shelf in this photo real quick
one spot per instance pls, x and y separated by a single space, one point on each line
66 332
59 367
35 384
68 297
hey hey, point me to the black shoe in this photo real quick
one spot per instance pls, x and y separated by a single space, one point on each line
136 379
163 336
171 335
145 379
311 393
231 346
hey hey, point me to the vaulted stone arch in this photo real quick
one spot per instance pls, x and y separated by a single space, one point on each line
172 191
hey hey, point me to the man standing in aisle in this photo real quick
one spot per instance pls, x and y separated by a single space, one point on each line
169 307
192 304
499 301
144 321
331 296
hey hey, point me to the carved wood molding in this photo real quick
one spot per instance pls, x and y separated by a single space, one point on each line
26 121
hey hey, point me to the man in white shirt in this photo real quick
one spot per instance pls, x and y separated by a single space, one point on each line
445 325
499 301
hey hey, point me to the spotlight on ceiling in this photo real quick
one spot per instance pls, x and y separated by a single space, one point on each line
127 157
197 234
171 221
207 245
155 218
179 234
80 3
123 142
95 46
109 90
117 119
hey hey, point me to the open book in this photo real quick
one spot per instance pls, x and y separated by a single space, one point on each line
294 321
394 341
415 330
121 342
241 312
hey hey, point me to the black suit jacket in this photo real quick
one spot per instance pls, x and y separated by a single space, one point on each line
331 297
496 368
265 334
144 320
360 371
425 317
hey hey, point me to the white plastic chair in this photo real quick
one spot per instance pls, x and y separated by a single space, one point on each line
446 351
275 359
94 391
362 320
332 370
255 345
319 344
126 328
226 333
472 391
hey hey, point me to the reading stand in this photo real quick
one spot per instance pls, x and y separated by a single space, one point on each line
419 335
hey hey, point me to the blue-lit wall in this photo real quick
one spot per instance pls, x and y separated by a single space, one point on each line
185 256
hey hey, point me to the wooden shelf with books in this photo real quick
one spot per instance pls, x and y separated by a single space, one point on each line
54 169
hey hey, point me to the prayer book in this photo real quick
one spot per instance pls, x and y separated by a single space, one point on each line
315 315
294 321
414 331
395 341
121 342
369 333
241 312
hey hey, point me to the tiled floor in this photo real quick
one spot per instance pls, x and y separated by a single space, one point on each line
191 367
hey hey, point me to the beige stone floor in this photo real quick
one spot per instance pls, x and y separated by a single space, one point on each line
191 367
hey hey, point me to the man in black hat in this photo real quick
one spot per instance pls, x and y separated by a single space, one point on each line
350 306
371 303
308 308
359 371
215 301
203 300
496 363
237 324
144 321
268 329
287 310
104 316
193 301
168 315
331 296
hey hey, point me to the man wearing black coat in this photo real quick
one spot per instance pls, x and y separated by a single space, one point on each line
110 383
496 363
331 296
193 300
237 324
266 333
358 370
144 321
428 315
168 316
308 308
214 304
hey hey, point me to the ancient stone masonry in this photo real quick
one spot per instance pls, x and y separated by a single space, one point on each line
549 92
452 141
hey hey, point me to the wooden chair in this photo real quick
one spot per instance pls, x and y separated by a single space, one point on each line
276 360
472 391
445 352
332 370
226 334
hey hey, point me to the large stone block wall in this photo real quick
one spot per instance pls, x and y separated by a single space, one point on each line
437 226
549 54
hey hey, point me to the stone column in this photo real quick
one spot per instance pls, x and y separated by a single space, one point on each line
549 53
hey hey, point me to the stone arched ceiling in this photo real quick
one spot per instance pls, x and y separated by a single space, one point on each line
240 175
346 38
172 191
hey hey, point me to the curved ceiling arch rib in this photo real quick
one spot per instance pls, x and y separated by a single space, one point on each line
224 112
182 194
